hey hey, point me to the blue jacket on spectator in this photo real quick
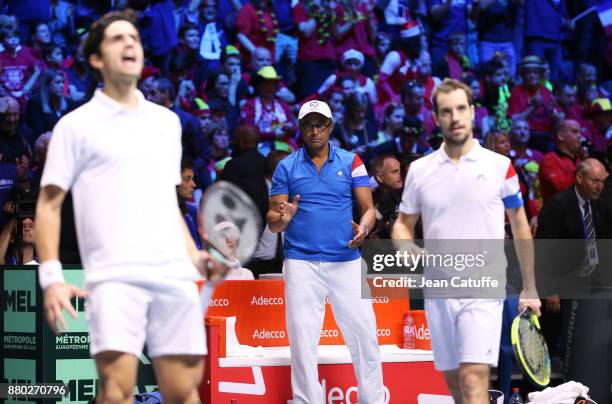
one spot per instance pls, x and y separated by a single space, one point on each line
544 19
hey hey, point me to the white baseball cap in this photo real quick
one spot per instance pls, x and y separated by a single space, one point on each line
315 106
353 54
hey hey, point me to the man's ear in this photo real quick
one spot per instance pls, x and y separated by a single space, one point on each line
95 61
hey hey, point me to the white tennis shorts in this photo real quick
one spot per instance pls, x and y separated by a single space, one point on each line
464 331
164 313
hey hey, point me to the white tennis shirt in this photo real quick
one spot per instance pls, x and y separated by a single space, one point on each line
464 200
122 167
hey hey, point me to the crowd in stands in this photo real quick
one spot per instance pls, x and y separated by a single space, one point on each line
236 72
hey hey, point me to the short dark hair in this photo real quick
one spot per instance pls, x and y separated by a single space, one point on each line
186 164
448 86
187 27
165 86
378 162
95 35
274 157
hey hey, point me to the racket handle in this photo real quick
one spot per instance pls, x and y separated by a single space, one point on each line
205 295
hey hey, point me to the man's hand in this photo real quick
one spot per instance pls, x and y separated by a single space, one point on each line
57 298
360 232
288 209
530 299
213 270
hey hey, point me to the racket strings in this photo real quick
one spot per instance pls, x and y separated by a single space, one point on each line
534 349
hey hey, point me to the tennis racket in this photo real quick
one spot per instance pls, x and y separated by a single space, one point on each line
530 348
229 226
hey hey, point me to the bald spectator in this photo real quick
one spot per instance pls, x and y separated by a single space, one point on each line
262 57
558 166
387 196
15 137
521 153
248 167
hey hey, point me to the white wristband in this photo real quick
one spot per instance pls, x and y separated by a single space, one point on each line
50 272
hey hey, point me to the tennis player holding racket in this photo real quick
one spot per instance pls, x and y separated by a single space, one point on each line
120 156
462 191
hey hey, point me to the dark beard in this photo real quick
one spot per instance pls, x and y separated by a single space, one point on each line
455 142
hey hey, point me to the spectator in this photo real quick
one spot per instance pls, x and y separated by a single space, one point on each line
186 62
286 40
158 31
558 166
414 106
382 46
232 67
262 58
163 93
9 254
19 68
543 35
15 137
269 114
352 63
396 14
316 54
28 13
495 20
356 30
247 168
457 61
496 94
185 196
62 17
54 59
50 104
446 17
600 115
80 78
481 114
220 152
256 26
40 39
400 65
532 101
268 255
393 120
356 132
223 92
335 100
213 39
521 153
499 142
387 195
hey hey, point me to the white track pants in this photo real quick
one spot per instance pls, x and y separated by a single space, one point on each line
306 285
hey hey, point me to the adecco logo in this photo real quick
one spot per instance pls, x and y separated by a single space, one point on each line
329 333
383 332
218 303
422 333
335 394
380 300
268 334
267 301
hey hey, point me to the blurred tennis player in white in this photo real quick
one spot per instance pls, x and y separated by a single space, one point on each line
120 155
462 191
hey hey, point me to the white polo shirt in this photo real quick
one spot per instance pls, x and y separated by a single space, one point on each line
464 200
122 167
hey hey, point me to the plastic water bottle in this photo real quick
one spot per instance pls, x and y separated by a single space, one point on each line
409 331
516 398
